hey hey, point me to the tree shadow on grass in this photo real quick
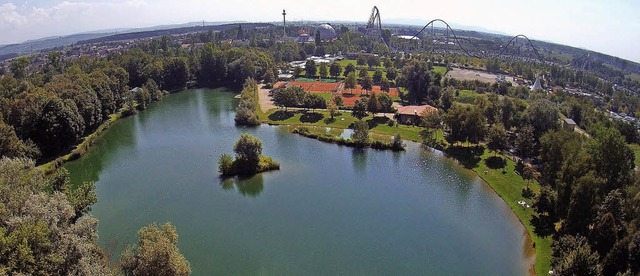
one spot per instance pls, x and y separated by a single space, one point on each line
281 115
375 121
329 120
495 162
311 117
542 225
469 157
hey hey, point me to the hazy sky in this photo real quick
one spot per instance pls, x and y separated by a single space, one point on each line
608 26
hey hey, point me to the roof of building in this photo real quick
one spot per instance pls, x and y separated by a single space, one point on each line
569 121
416 109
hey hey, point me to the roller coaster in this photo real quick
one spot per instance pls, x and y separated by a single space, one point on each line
374 26
429 40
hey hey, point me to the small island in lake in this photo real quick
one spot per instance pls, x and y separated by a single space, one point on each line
249 159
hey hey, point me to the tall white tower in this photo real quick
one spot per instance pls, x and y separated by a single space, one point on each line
284 23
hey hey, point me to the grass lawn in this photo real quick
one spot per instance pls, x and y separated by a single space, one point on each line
440 69
467 96
636 152
325 96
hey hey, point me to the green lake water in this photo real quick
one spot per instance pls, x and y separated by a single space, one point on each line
330 210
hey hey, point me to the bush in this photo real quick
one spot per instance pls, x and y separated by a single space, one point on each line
246 117
225 164
267 164
391 123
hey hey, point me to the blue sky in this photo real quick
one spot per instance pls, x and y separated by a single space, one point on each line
611 27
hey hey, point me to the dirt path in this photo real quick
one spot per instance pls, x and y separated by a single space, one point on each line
266 102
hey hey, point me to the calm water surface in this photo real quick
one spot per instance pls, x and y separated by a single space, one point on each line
330 210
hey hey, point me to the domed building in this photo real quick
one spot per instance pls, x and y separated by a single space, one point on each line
326 32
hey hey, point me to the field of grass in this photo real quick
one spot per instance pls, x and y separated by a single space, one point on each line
440 69
467 96
326 97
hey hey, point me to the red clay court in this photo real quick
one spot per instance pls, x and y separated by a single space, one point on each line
349 96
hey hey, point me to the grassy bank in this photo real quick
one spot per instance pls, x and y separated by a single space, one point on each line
498 171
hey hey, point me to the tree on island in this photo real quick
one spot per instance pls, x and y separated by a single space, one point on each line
248 105
249 159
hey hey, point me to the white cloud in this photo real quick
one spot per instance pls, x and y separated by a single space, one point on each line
28 22
9 17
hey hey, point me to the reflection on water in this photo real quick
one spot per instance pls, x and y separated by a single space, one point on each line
359 157
330 210
246 186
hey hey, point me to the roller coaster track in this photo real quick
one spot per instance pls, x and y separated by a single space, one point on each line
583 62
374 31
504 48
455 37
374 26
514 40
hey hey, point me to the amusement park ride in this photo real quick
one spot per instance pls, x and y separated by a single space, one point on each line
443 39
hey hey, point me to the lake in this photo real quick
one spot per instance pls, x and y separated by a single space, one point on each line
330 210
